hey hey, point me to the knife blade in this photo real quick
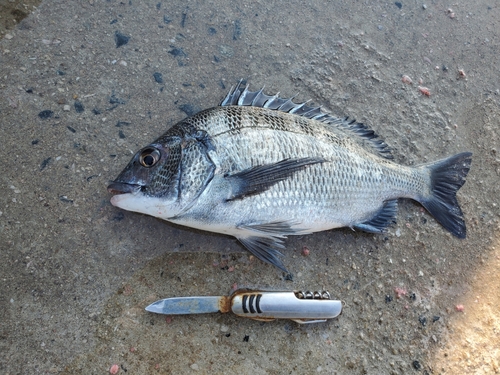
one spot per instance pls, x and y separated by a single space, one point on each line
187 305
301 307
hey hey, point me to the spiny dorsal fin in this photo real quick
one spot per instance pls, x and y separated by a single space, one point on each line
363 134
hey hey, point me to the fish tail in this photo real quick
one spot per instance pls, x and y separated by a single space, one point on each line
446 177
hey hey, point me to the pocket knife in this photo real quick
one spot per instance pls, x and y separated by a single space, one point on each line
301 307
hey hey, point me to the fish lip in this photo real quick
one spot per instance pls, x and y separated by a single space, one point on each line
117 188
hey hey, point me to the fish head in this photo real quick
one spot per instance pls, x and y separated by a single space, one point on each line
150 182
166 177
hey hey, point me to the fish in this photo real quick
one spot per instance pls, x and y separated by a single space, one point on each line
261 167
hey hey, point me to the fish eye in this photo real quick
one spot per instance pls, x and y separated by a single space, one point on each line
149 157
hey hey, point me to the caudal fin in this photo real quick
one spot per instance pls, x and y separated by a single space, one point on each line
447 177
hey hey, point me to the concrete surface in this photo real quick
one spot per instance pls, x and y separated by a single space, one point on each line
76 272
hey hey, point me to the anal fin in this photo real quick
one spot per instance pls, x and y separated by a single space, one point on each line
381 220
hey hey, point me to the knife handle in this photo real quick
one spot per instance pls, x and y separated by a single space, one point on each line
301 307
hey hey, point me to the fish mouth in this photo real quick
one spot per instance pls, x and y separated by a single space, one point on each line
117 188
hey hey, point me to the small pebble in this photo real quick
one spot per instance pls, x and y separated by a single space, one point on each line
8 36
460 308
46 114
424 91
158 77
237 30
65 199
400 292
195 367
114 369
79 107
406 79
115 100
177 52
184 17
305 251
423 320
44 163
121 39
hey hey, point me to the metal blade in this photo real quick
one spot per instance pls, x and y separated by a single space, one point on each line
187 305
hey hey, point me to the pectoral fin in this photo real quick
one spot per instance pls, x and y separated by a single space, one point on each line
258 179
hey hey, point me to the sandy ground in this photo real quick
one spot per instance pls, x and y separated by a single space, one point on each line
76 272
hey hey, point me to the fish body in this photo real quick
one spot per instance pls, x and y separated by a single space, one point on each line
260 168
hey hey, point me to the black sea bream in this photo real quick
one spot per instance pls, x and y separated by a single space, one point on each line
260 168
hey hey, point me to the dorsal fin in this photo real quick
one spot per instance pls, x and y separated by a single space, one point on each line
362 133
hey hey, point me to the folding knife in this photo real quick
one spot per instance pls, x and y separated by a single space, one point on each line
301 307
